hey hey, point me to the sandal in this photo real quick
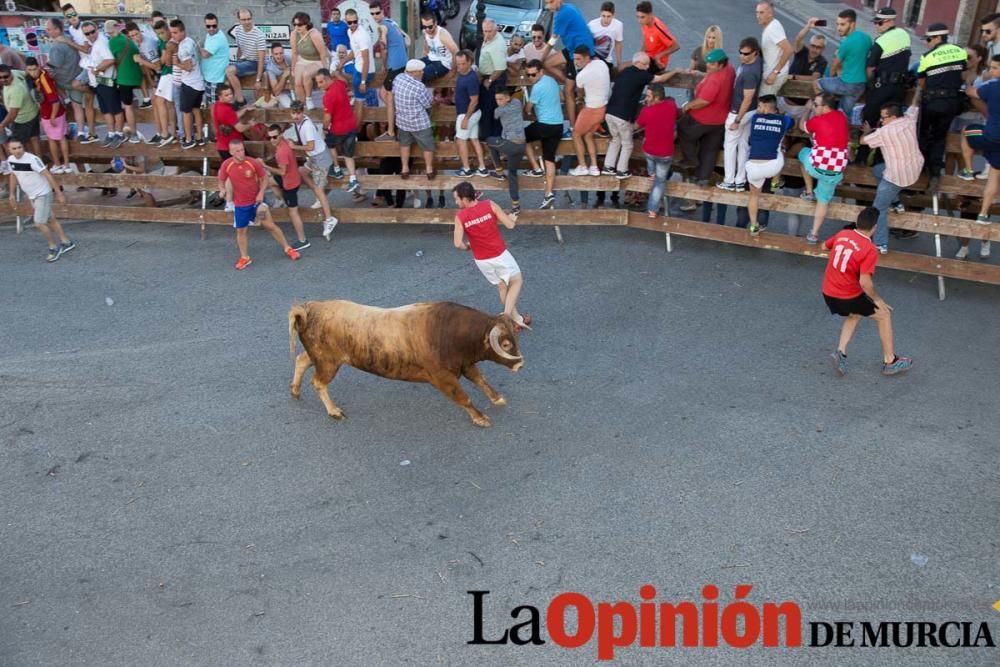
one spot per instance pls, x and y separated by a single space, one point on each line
431 175
404 175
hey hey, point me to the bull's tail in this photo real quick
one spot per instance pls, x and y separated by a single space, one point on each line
296 322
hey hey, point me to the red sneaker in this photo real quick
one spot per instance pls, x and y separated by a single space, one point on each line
292 253
243 263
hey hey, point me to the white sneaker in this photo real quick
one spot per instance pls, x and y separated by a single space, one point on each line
56 169
328 226
579 171
984 174
594 170
317 204
984 249
962 253
230 207
309 104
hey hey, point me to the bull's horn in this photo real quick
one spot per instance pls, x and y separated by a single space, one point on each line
495 344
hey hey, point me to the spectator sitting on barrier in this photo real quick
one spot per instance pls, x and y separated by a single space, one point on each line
277 69
192 85
826 160
286 176
341 131
848 74
765 156
897 139
266 100
38 185
554 63
702 124
318 160
623 107
808 64
363 68
52 114
393 44
250 52
163 107
515 56
543 100
510 144
468 114
413 124
22 111
569 27
736 141
659 119
128 75
609 35
595 81
243 181
439 47
309 55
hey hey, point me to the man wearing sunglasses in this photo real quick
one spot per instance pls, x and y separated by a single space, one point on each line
989 27
808 64
214 57
439 47
391 42
888 65
940 76
554 64
79 42
286 175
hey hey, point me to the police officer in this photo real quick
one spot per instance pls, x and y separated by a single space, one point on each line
888 65
940 77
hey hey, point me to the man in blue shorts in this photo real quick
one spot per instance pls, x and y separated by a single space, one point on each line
985 139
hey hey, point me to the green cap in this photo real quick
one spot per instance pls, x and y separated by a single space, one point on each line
715 55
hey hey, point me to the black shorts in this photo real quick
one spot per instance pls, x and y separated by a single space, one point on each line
390 76
859 305
344 143
25 131
108 99
549 135
190 98
291 197
570 65
125 94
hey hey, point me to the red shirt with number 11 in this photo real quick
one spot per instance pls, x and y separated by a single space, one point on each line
851 254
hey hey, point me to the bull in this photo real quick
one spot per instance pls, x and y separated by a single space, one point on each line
422 342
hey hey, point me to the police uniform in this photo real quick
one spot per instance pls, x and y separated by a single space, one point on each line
940 70
890 56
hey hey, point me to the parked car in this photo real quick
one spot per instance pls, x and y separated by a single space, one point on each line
513 17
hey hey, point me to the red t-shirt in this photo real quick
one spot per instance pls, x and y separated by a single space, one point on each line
224 114
245 176
480 226
851 254
660 120
336 104
285 157
830 135
656 38
49 95
717 90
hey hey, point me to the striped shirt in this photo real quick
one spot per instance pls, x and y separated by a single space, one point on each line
898 141
412 100
249 44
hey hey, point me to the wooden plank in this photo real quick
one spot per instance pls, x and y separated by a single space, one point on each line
418 181
949 268
141 181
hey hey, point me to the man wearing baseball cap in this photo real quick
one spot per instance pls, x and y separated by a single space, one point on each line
702 127
888 64
413 123
940 76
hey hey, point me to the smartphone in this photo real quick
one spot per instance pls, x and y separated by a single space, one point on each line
821 23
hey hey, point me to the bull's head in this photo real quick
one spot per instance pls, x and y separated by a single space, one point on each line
502 342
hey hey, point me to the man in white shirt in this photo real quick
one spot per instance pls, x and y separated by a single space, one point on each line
306 138
609 35
38 185
192 84
775 49
594 79
101 65
363 68
78 40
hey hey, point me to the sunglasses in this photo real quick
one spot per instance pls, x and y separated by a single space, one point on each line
70 15
986 31
89 32
274 137
427 27
746 53
211 26
351 22
297 24
376 12
879 22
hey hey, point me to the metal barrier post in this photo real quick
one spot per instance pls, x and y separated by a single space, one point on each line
204 197
937 246
17 198
558 234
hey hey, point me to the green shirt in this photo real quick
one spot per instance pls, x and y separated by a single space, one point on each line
853 53
493 56
16 96
166 68
129 72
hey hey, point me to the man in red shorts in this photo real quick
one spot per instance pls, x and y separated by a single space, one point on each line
850 292
243 182
593 78
478 220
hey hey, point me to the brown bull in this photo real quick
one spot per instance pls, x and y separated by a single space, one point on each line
423 342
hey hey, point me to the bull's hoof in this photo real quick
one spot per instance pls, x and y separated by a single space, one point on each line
499 400
338 415
296 394
482 421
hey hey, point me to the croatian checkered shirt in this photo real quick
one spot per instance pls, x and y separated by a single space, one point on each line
412 99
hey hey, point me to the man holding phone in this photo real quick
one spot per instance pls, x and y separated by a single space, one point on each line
808 64
847 73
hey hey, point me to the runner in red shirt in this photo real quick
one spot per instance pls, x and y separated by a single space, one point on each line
227 120
478 220
341 126
243 181
850 292
288 179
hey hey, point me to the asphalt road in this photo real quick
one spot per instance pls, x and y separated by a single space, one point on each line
677 423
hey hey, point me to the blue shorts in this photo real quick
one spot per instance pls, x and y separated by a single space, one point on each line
349 68
826 183
975 134
245 67
244 216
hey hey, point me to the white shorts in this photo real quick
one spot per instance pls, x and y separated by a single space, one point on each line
471 132
499 269
758 172
165 88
